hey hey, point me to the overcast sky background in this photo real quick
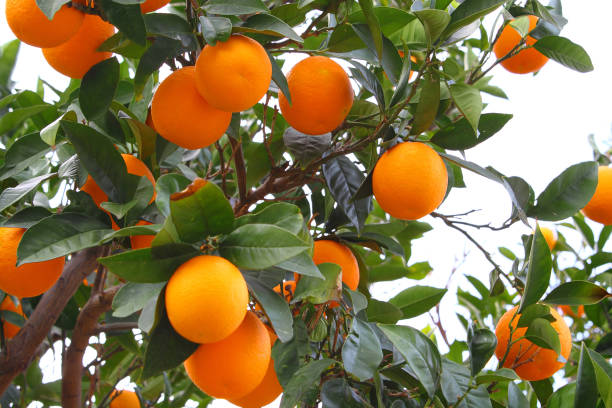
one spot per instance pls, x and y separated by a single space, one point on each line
554 112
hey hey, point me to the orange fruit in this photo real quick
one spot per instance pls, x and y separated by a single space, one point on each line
77 55
29 279
530 362
599 208
124 399
568 311
409 180
527 60
141 241
182 116
206 299
267 390
321 96
233 75
10 330
152 5
235 366
31 26
550 236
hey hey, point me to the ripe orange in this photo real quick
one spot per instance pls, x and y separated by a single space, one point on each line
527 60
321 96
182 116
335 252
31 26
599 209
409 180
233 75
550 236
531 363
141 241
76 56
124 399
233 367
152 5
29 279
267 390
10 330
206 299
568 311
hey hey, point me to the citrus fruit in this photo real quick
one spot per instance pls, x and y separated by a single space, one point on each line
527 60
233 367
550 236
124 399
29 279
182 116
77 55
531 362
569 311
31 26
335 252
141 241
233 75
206 299
152 5
599 208
409 180
267 390
10 330
321 96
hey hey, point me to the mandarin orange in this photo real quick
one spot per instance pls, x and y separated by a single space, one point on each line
527 60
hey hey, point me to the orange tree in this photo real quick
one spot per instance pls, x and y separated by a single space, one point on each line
175 206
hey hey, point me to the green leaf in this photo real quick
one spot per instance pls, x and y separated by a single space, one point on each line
584 228
470 11
538 271
288 356
167 185
269 25
166 349
369 81
391 19
305 147
534 311
279 78
468 101
127 18
500 375
565 52
25 151
434 21
516 398
429 101
200 211
455 382
259 246
361 351
50 7
383 312
603 376
576 293
521 25
460 135
303 380
235 7
11 195
563 397
59 235
543 389
417 300
402 90
284 215
357 300
344 178
149 265
383 240
8 57
481 343
16 117
541 333
275 307
567 193
49 133
98 88
26 217
421 355
367 7
151 229
153 58
134 296
302 264
586 383
216 29
395 270
336 393
317 291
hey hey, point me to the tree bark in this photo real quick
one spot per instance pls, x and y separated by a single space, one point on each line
86 325
18 352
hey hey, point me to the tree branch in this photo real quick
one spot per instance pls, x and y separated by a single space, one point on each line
86 326
18 352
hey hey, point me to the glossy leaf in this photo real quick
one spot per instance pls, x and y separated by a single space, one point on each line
417 300
127 18
134 297
361 352
306 377
269 25
167 185
481 343
470 11
336 393
516 398
586 382
541 333
284 215
302 264
275 307
153 58
306 147
235 7
460 135
576 293
216 29
98 88
12 195
429 101
538 271
367 7
603 376
468 101
16 117
383 312
26 217
369 81
23 153
532 312
434 21
288 356
317 291
565 52
455 382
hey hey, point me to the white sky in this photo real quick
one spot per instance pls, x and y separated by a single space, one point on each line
554 112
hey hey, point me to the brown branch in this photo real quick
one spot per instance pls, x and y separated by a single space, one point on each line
86 325
119 326
18 352
240 168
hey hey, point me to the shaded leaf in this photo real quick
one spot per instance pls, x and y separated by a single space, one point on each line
275 307
361 352
98 88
